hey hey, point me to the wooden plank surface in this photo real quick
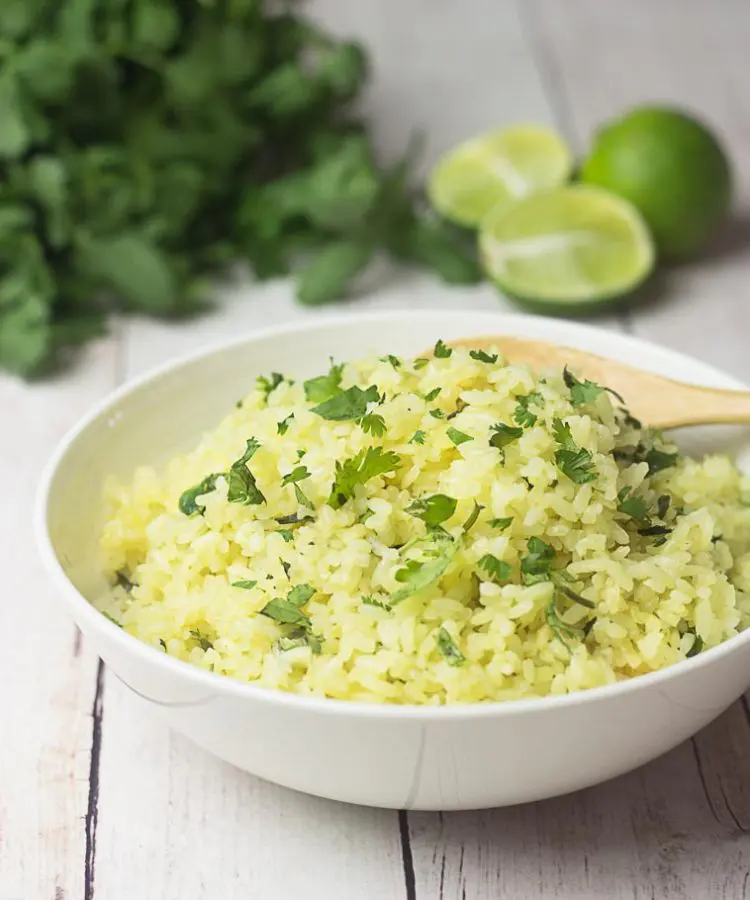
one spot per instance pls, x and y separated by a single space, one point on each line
47 675
99 800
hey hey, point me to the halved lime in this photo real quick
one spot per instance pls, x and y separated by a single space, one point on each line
494 168
568 248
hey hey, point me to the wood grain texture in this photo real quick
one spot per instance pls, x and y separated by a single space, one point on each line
47 678
165 821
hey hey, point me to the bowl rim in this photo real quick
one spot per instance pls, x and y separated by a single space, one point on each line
216 684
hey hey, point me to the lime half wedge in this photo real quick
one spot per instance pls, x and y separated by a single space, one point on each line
495 168
567 249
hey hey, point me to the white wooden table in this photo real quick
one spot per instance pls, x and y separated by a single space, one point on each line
100 802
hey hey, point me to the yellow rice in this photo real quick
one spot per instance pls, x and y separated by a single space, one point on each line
648 599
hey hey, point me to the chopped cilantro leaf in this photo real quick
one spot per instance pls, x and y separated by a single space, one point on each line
572 595
458 437
373 424
501 524
267 385
481 356
286 534
448 649
558 627
299 638
349 404
369 600
654 531
523 415
635 507
537 564
662 505
322 388
300 594
188 504
437 414
472 517
417 438
658 460
245 585
697 644
298 473
497 569
283 426
581 392
420 363
361 468
432 394
441 351
393 360
240 480
434 510
203 642
502 435
419 574
572 460
285 612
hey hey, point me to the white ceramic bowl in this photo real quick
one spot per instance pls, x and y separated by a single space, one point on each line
458 757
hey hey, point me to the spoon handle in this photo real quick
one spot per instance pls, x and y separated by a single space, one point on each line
656 400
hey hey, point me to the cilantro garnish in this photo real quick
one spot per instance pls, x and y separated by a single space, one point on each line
635 507
481 356
472 517
417 438
420 363
501 524
267 385
245 585
299 473
299 638
497 569
288 612
658 460
322 388
202 640
448 648
432 394
583 392
437 554
654 531
361 468
349 404
441 351
458 437
434 510
437 413
240 480
571 460
393 360
523 415
537 564
373 424
558 626
283 426
369 600
502 435
188 504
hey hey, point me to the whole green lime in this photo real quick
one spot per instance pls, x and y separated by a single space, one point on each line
672 168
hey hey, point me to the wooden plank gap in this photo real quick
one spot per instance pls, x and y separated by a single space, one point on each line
92 811
407 858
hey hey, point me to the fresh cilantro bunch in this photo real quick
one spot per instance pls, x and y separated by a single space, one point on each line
146 144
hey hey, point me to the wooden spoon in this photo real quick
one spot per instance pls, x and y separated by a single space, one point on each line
657 401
